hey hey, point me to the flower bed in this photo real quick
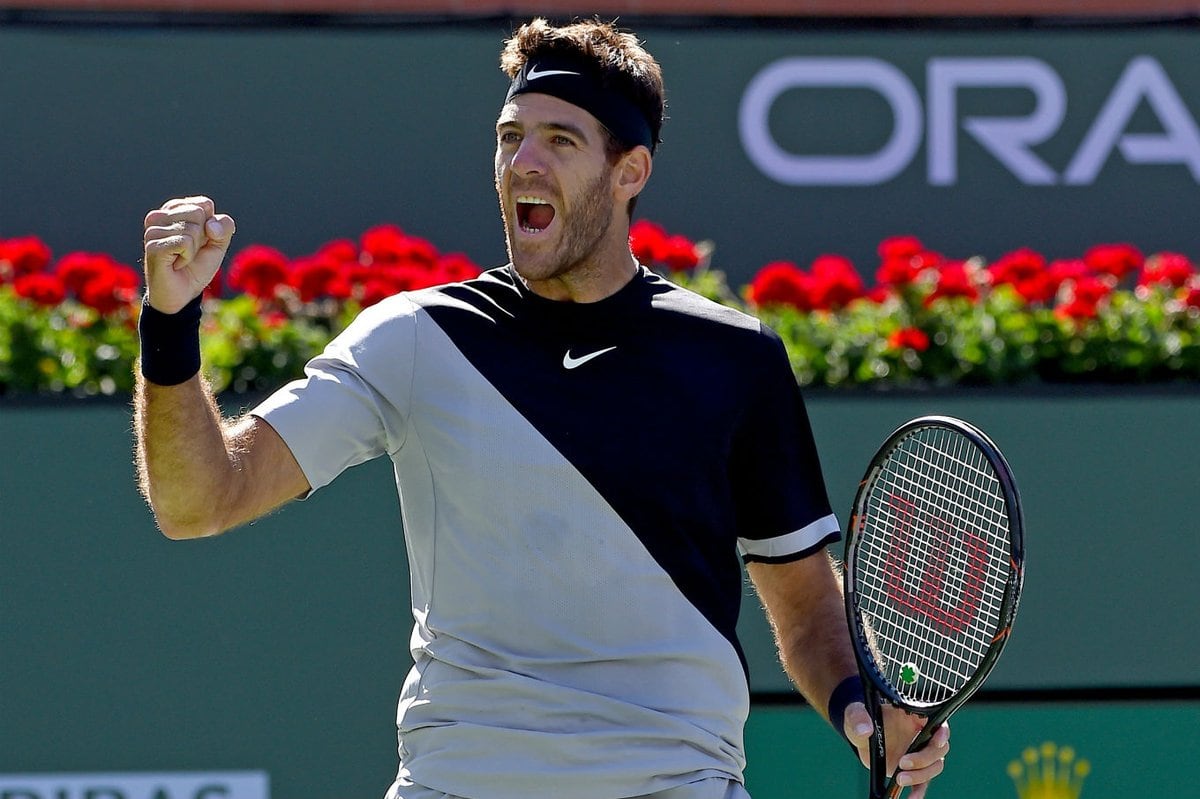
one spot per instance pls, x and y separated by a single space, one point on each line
1111 315
68 325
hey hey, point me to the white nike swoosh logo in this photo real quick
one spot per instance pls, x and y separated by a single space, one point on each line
571 363
533 73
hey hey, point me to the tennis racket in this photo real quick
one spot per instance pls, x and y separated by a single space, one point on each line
934 565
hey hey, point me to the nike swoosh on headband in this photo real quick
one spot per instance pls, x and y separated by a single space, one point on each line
533 73
571 363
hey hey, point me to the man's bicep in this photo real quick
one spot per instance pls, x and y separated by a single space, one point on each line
268 473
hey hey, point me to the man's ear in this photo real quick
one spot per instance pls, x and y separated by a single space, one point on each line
632 172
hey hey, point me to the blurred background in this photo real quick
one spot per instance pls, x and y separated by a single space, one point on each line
268 662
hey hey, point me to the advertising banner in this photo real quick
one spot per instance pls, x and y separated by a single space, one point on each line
782 8
137 785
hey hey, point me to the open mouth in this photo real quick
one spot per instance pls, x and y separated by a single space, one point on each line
534 214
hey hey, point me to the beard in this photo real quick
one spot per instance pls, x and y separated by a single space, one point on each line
579 236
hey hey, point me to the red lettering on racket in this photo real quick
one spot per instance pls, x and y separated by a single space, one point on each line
928 599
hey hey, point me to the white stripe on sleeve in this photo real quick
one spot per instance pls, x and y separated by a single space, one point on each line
790 543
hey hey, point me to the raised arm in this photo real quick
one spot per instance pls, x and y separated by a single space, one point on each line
803 600
200 473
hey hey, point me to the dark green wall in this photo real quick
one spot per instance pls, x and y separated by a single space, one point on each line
307 134
282 646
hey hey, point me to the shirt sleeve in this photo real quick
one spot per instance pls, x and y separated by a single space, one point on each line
352 403
783 509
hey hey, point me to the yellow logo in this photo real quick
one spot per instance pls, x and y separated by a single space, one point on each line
1049 772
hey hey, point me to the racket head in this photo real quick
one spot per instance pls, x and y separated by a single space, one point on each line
934 564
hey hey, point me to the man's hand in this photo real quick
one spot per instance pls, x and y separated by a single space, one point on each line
185 242
918 768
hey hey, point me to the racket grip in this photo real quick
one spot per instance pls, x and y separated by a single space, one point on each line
923 737
878 747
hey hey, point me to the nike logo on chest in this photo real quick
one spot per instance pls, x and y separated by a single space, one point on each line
570 362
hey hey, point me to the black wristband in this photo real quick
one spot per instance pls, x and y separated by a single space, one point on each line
170 343
848 691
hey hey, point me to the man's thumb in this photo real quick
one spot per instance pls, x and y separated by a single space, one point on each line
220 229
857 722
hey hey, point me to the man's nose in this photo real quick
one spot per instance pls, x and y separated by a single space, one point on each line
528 159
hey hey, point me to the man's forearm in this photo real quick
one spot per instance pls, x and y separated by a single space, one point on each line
817 655
804 604
184 458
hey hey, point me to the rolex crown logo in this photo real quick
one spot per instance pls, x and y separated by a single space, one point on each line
1049 772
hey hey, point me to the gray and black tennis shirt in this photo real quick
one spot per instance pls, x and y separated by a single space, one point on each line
576 483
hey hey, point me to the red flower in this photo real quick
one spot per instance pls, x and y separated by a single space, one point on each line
388 244
407 277
782 283
26 255
1117 260
311 276
1170 268
897 272
680 254
909 338
1017 266
835 281
1077 309
953 281
1037 289
375 290
1083 297
42 288
1192 298
900 248
341 287
1070 269
115 287
648 241
1025 270
77 268
421 252
456 267
383 243
879 294
339 251
1092 289
258 270
902 259
356 275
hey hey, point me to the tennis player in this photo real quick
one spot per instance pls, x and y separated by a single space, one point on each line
582 450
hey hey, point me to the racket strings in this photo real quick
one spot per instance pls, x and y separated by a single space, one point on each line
934 551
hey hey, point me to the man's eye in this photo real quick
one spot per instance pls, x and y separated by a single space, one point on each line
563 141
509 136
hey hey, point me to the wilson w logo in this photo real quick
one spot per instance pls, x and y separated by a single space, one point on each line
948 589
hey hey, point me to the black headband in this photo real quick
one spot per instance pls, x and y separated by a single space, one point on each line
572 81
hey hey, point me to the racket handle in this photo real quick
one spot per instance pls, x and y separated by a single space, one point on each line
923 737
877 746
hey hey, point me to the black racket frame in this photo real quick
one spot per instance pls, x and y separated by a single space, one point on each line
878 688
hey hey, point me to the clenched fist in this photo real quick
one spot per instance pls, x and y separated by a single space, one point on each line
185 242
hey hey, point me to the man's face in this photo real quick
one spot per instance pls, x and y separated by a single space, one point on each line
555 186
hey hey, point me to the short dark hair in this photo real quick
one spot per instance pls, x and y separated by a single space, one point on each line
623 65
